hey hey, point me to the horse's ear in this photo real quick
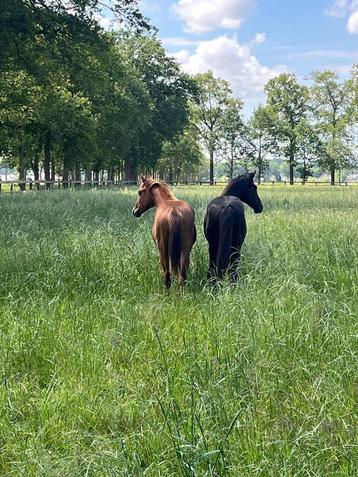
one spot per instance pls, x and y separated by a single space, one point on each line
252 174
143 179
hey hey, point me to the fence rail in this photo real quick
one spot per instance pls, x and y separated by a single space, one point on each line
23 185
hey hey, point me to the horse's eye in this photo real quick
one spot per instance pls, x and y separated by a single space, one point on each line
140 192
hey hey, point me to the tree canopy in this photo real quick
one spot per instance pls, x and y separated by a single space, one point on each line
78 100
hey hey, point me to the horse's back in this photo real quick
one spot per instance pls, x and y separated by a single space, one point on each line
176 213
229 207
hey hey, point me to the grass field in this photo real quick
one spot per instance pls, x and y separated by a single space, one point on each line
103 373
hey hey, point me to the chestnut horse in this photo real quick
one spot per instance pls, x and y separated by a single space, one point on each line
173 230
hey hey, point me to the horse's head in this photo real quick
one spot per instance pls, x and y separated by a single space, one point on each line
245 189
249 193
145 200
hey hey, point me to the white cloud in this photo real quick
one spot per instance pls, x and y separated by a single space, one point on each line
231 61
352 25
205 15
260 38
104 21
342 8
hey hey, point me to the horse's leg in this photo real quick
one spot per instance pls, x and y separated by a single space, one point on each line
164 261
213 252
184 266
166 273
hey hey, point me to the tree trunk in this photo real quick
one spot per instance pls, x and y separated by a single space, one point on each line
211 166
96 178
291 165
47 158
260 161
22 172
130 170
88 177
36 170
333 175
231 173
78 174
110 175
53 175
66 172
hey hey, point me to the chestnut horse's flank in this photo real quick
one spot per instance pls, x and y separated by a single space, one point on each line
173 230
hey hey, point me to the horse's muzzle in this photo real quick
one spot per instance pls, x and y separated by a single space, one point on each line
259 209
136 212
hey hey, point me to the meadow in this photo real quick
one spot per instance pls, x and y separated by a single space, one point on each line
103 373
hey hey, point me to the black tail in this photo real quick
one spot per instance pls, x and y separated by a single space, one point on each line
225 241
175 249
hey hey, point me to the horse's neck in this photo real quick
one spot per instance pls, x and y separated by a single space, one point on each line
161 195
232 189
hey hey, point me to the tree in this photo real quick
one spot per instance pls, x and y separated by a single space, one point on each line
332 113
207 112
169 90
260 140
309 149
232 133
60 49
287 103
182 155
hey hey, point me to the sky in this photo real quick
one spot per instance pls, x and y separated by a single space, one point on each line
248 42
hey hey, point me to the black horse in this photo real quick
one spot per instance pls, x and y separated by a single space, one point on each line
225 224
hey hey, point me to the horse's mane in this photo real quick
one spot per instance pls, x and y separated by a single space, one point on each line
162 186
235 185
229 187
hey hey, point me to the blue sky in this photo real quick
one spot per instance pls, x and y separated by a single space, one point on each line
248 42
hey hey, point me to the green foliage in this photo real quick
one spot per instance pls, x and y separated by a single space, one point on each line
260 141
333 113
287 103
181 156
207 112
232 132
309 149
87 99
75 98
169 90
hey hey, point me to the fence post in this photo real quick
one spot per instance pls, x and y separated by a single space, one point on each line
0 184
30 184
11 187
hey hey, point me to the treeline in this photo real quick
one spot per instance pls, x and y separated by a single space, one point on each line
78 101
74 98
310 127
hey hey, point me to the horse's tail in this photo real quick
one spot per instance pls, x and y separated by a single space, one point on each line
175 242
225 241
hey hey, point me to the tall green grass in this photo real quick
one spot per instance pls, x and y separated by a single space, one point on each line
103 373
